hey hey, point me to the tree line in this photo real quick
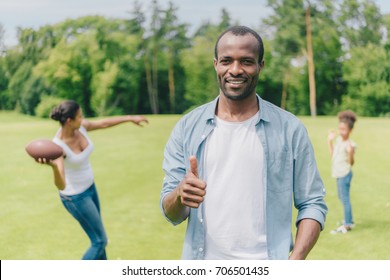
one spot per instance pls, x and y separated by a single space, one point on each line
321 56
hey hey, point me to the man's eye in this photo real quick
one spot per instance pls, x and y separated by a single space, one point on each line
247 62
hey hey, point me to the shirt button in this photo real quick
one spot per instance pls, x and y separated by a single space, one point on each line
201 220
203 136
200 249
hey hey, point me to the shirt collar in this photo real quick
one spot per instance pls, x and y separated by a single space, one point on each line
264 114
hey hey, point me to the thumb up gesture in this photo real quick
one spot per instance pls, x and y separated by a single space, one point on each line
191 189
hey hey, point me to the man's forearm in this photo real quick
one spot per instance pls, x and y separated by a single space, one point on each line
307 235
173 207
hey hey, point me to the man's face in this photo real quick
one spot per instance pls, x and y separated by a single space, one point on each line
237 65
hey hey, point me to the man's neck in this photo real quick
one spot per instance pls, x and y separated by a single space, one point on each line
237 110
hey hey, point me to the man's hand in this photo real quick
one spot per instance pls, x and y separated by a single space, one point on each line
188 194
191 189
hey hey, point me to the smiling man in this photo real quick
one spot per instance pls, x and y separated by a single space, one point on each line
233 167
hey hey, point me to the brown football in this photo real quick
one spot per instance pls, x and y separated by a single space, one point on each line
43 148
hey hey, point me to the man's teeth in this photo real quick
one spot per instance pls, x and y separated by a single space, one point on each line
236 82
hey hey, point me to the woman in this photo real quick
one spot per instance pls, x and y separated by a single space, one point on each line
73 174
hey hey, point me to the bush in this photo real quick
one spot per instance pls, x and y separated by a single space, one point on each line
47 104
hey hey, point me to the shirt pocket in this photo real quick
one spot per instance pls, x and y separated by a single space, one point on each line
279 173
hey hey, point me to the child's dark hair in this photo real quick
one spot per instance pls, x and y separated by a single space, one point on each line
347 117
67 109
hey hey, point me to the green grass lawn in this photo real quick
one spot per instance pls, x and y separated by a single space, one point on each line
127 165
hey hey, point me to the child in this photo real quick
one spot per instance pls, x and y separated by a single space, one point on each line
343 154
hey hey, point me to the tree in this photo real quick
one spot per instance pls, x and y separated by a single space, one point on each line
90 59
365 68
115 66
135 27
367 73
310 63
24 90
175 40
201 84
225 21
287 26
328 55
3 74
69 70
152 47
290 44
2 45
386 20
115 83
360 23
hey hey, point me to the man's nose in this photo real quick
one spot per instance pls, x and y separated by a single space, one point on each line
235 68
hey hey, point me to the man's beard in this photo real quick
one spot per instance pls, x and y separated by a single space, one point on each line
246 92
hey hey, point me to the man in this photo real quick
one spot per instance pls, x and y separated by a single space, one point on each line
234 166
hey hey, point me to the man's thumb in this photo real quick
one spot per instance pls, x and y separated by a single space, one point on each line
194 166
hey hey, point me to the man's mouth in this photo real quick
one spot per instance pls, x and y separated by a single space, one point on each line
236 81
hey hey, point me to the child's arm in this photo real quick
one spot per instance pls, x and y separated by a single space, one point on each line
331 136
351 153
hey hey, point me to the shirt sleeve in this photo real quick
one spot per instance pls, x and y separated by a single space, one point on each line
309 190
173 166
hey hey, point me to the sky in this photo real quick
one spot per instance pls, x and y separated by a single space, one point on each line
37 13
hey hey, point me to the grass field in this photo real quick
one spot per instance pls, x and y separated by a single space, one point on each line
127 166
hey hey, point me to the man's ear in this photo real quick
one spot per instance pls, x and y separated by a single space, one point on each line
215 64
261 64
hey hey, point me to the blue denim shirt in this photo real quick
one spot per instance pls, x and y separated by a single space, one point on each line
290 174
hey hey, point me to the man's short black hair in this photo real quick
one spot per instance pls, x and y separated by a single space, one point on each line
241 31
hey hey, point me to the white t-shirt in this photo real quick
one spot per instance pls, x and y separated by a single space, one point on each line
340 161
234 205
78 170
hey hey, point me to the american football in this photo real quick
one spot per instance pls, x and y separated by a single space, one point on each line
43 148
